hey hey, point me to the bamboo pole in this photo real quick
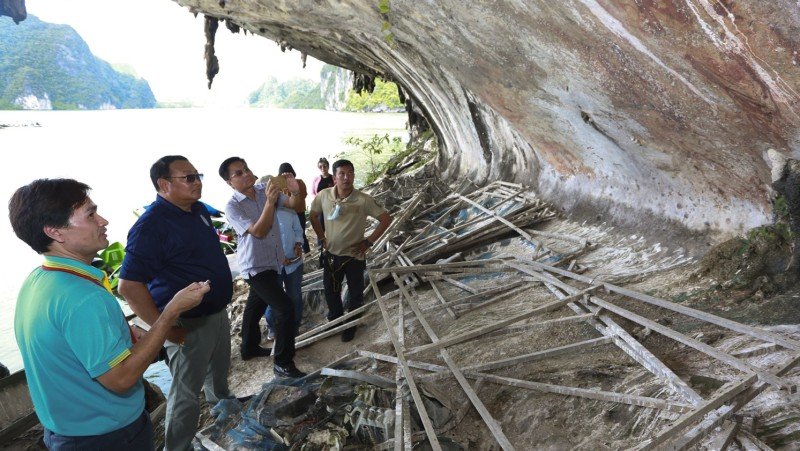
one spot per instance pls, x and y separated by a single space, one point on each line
423 413
600 395
540 355
455 339
334 322
698 345
607 326
442 300
715 418
726 394
697 314
328 333
503 290
491 423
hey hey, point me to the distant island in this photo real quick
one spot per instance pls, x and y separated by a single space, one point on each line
333 92
45 66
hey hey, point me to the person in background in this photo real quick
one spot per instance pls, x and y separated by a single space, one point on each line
291 275
83 371
251 211
324 179
287 171
345 210
173 242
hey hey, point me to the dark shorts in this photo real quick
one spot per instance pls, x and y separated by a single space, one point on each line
133 437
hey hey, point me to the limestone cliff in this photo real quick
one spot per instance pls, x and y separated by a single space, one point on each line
647 111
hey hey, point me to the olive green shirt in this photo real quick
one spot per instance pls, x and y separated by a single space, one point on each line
347 230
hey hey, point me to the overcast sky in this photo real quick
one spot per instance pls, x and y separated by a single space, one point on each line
164 43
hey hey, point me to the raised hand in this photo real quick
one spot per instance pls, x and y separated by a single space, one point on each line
272 194
291 183
189 297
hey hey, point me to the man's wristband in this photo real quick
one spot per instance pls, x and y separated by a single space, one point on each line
367 242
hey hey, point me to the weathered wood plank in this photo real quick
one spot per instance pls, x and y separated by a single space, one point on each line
715 418
455 339
697 314
599 395
698 345
607 326
412 386
540 355
491 423
762 349
725 394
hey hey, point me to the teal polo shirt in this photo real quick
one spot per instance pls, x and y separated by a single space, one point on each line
70 330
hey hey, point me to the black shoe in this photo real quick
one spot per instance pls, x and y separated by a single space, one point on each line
349 334
257 352
288 370
244 399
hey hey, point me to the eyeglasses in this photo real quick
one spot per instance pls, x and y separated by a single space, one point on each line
241 172
191 178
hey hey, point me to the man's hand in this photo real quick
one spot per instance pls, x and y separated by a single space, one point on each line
291 182
187 298
298 249
177 335
361 248
272 194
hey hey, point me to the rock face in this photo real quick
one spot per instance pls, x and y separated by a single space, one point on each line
335 83
48 66
647 111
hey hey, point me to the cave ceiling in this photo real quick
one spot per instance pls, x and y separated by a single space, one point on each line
646 111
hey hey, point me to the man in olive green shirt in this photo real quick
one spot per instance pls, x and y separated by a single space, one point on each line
345 210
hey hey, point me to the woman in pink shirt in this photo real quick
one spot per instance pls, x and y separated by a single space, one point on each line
324 179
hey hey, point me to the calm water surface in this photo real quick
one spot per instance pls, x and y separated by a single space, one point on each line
112 152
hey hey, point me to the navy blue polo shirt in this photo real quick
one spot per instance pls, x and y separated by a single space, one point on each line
169 248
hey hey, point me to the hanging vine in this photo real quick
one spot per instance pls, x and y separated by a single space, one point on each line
386 27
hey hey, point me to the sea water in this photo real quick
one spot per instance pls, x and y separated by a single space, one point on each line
112 152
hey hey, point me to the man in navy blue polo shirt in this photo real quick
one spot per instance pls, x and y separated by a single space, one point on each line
174 242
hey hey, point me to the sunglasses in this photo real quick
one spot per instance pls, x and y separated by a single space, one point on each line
191 178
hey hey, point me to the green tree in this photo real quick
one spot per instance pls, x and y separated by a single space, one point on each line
383 97
297 93
41 59
369 155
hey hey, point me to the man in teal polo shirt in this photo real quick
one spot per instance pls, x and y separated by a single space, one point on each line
83 371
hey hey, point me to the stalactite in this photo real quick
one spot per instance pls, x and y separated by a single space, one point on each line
212 63
15 9
232 26
363 82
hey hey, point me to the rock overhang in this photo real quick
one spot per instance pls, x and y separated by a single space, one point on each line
648 112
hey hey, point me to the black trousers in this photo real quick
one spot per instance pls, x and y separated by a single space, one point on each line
266 289
336 268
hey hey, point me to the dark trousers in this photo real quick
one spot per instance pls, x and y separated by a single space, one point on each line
302 218
266 289
133 437
336 268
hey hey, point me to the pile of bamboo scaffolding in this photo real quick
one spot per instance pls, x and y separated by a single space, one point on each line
401 262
